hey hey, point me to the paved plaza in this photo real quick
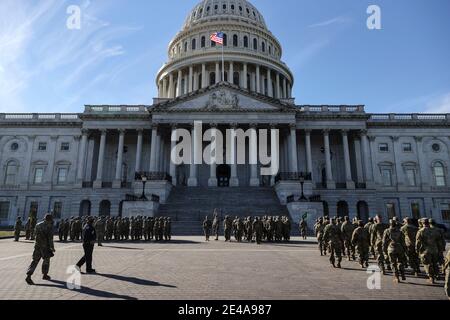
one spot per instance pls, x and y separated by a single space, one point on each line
189 268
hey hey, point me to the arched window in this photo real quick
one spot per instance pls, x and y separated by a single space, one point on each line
255 44
194 44
235 40
245 42
212 78
439 174
225 40
236 79
203 42
12 169
263 47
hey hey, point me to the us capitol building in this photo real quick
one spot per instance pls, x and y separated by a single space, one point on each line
346 161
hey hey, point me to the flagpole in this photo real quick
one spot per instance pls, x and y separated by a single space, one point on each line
223 64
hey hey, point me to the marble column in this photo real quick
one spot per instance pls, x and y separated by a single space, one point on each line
231 72
309 166
253 82
179 81
117 184
193 180
244 77
173 144
153 149
204 84
82 156
293 149
158 152
212 182
234 180
348 171
329 171
284 88
190 81
171 89
269 83
195 81
101 158
218 74
140 133
164 95
253 156
366 159
258 80
277 89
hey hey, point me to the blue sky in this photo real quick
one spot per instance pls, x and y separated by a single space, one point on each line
113 59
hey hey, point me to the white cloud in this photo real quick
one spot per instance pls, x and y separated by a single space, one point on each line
335 20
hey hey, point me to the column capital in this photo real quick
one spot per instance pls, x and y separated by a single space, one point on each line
326 131
103 131
394 138
419 139
77 137
85 132
273 125
308 132
140 130
363 133
174 126
121 131
233 125
154 126
345 132
293 126
371 138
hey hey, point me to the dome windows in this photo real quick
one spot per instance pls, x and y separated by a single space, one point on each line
245 42
235 40
203 42
14 146
263 46
255 44
194 44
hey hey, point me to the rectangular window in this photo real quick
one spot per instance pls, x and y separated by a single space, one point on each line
445 211
65 146
390 210
57 209
387 177
62 175
42 146
383 147
38 175
407 147
4 210
415 210
11 173
411 177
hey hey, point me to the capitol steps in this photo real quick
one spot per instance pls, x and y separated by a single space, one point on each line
187 207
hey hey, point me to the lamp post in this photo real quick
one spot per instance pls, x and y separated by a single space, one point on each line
302 182
144 181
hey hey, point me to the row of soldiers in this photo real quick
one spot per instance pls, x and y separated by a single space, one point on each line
394 246
118 228
29 228
249 229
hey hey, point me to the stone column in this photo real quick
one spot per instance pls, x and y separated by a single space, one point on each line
82 156
277 89
101 159
191 76
118 179
258 80
284 88
193 180
348 171
253 82
164 95
253 156
212 182
171 93
231 72
195 81
180 76
218 74
244 77
204 85
366 158
269 83
158 153
330 182
186 88
153 149
234 180
309 166
139 150
293 149
173 144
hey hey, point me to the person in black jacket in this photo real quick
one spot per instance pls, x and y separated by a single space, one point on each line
89 237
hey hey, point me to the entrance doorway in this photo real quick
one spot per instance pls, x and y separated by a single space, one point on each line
223 175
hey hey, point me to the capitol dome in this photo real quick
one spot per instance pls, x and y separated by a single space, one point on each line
251 53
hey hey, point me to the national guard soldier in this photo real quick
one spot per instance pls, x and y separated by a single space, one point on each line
117 223
394 244
145 229
447 275
167 229
278 229
156 229
270 226
43 248
258 230
410 232
427 246
100 230
227 226
216 225
33 222
377 241
17 229
66 229
303 226
249 229
333 237
347 229
78 229
72 229
235 228
207 225
369 226
61 230
287 227
318 230
151 225
240 230
441 235
361 240
27 229
109 229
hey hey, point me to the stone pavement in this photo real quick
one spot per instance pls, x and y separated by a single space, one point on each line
189 268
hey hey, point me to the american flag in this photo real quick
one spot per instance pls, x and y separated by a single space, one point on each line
217 37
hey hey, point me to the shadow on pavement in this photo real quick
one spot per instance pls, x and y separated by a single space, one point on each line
86 290
122 248
141 282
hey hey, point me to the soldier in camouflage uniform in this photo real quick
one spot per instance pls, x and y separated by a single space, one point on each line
441 235
43 249
361 240
287 227
100 230
447 274
156 227
394 245
427 246
151 225
216 225
249 229
227 226
278 229
207 225
240 230
33 222
347 229
318 230
377 241
333 236
27 229
410 233
270 228
234 228
258 229
369 226
17 229
167 229
303 226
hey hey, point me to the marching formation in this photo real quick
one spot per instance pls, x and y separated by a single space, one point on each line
395 246
267 228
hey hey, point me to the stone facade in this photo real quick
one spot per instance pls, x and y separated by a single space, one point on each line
356 163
